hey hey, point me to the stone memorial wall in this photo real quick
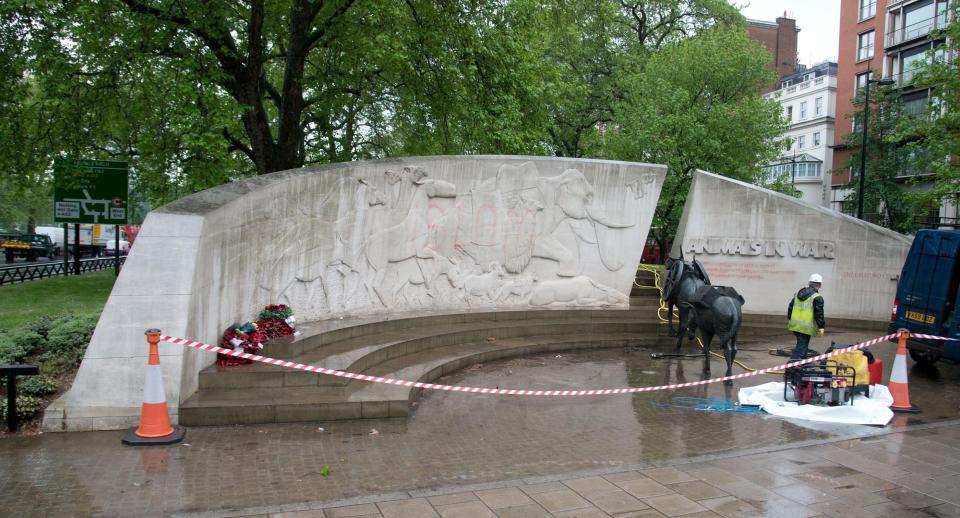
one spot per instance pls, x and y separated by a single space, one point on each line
376 239
766 245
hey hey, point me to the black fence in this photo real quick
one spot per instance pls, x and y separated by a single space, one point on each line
35 271
938 222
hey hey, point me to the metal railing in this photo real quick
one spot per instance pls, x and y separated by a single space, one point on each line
916 30
937 222
36 271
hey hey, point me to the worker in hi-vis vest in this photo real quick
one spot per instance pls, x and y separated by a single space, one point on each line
805 313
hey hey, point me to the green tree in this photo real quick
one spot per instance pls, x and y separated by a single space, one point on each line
197 93
24 181
888 157
284 84
932 138
696 105
598 46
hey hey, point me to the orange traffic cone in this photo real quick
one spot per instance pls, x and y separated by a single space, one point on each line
155 427
898 379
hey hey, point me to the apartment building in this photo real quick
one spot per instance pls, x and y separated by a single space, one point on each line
808 99
883 39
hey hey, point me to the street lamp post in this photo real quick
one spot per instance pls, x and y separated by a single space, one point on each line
863 146
793 168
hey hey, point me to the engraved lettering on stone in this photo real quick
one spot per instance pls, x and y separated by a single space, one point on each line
757 247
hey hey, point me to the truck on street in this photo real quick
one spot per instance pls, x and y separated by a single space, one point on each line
928 295
28 246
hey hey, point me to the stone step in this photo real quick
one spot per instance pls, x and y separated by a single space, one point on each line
362 353
646 292
337 398
322 333
357 354
220 406
428 366
278 405
645 285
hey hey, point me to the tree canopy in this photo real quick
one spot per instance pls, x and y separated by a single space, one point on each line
198 93
934 137
887 159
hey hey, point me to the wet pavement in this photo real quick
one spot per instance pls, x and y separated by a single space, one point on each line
451 440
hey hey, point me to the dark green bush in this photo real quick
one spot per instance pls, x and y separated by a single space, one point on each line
24 339
56 366
37 385
10 352
16 344
68 337
27 406
42 325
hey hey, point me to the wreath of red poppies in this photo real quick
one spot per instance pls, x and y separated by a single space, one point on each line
276 320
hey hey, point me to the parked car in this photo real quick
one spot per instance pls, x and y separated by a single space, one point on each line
928 296
124 248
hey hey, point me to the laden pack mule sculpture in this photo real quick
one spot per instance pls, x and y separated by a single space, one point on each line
715 310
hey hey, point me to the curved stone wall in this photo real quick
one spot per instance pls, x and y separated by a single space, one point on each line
767 244
371 238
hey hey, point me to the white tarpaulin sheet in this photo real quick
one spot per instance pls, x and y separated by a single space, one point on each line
873 410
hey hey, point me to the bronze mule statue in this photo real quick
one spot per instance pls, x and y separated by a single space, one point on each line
715 310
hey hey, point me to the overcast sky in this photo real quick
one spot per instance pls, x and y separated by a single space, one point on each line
818 20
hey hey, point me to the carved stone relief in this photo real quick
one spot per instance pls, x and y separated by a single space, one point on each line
403 239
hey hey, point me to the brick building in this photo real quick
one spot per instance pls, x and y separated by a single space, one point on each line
883 39
780 39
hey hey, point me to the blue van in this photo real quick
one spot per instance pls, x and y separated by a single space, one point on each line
927 296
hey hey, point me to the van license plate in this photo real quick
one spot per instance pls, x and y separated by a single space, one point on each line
920 317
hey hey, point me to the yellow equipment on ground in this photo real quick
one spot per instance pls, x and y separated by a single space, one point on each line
858 361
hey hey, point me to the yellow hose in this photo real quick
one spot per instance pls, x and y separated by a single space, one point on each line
663 307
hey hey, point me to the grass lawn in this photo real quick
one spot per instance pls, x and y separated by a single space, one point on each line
87 293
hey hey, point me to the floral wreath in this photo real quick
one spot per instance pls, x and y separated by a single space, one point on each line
275 321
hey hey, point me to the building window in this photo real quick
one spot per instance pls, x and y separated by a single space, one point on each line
914 163
816 139
793 170
807 170
918 19
790 113
862 82
803 110
818 106
910 61
915 104
865 46
868 8
801 142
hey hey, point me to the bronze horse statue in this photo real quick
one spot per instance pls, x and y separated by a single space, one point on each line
715 310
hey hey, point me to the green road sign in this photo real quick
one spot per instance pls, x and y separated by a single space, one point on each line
90 191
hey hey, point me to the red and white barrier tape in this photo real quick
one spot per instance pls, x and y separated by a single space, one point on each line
521 392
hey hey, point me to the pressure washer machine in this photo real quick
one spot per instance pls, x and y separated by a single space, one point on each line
825 383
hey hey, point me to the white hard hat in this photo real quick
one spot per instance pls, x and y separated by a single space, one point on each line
816 278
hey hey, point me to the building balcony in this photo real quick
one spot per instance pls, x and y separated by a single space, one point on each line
815 83
916 30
